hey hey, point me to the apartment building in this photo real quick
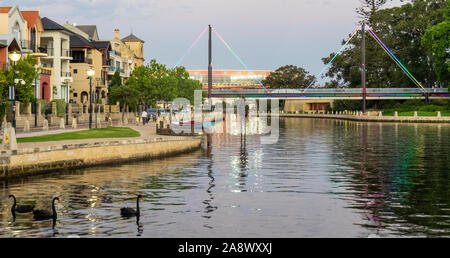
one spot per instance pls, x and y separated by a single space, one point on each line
126 54
55 42
88 53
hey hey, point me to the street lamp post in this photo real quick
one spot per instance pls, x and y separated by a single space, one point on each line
95 103
90 74
14 57
36 98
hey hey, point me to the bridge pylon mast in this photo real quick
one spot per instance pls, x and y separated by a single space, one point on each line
363 67
209 64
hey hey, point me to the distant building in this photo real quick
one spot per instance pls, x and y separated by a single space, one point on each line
231 78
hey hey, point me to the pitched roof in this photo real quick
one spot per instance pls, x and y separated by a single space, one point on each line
5 9
101 44
51 25
31 17
88 29
79 41
132 38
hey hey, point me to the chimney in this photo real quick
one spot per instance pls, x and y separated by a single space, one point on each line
116 34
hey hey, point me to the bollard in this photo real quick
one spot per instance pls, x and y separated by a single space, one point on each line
74 123
26 126
395 114
45 125
9 138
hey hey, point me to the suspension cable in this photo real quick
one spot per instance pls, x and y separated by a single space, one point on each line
389 52
237 57
329 63
190 48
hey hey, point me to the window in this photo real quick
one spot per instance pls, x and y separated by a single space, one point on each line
75 70
75 94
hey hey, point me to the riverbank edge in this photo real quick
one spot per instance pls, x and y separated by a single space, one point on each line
391 119
49 159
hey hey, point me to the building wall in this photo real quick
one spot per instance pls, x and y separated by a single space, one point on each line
306 105
4 23
58 62
138 49
80 79
15 17
45 87
3 56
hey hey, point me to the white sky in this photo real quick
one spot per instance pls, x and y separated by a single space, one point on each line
266 34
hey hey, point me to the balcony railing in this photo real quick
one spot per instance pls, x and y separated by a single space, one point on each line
47 50
114 52
65 74
46 71
99 82
82 61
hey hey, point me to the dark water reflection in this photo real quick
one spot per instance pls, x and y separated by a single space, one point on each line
324 178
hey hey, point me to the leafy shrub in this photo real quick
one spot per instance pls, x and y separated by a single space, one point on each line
60 107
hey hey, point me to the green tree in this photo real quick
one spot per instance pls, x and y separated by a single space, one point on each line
288 77
116 81
26 73
401 29
185 85
436 41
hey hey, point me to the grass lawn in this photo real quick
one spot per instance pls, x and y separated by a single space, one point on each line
411 113
109 132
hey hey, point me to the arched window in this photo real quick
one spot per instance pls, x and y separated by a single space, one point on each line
84 97
17 33
33 39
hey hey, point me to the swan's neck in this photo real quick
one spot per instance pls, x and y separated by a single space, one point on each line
54 209
13 208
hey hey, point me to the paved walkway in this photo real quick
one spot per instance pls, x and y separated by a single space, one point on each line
147 132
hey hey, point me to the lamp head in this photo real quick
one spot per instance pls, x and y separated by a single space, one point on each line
91 72
15 56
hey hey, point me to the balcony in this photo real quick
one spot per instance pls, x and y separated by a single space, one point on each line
46 50
46 71
66 74
115 52
82 61
100 83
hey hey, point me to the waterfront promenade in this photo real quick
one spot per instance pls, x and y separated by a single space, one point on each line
40 157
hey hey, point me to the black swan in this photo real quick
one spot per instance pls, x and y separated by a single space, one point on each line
130 212
20 208
44 214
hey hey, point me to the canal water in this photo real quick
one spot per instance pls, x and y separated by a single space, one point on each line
324 178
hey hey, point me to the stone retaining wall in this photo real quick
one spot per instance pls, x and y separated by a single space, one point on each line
53 158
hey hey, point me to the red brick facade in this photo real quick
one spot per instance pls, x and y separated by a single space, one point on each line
45 87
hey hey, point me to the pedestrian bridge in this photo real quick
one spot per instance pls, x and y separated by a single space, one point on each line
335 94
